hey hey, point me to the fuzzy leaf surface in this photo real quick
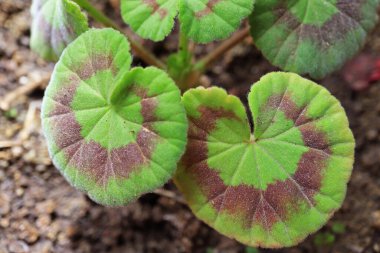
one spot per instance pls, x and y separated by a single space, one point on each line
202 21
151 19
207 20
312 37
274 187
56 23
113 132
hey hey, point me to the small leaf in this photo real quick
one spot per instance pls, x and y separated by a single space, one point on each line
151 19
324 239
207 20
56 23
11 113
273 187
312 37
338 228
112 132
201 20
251 250
36 6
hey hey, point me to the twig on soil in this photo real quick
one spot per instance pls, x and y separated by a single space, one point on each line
170 195
6 102
30 119
27 129
10 143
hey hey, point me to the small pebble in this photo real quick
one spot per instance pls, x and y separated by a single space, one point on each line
17 151
47 206
23 80
376 247
2 175
40 167
43 221
18 247
43 247
4 222
28 232
372 134
4 204
19 192
376 219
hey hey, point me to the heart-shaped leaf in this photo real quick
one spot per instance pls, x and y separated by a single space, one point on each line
312 37
201 20
273 187
56 23
114 133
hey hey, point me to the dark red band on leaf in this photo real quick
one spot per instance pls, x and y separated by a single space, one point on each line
285 104
211 116
148 106
280 199
345 20
314 138
199 129
62 105
156 8
55 35
95 63
208 9
309 171
264 207
90 157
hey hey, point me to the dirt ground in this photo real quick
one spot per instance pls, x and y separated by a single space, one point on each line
40 212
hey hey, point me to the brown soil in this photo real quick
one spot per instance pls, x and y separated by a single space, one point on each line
40 212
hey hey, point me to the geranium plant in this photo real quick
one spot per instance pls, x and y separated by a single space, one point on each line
117 132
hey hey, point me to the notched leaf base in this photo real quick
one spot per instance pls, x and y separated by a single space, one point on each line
276 188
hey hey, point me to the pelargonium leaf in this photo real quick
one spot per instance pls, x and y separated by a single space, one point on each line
273 187
201 20
207 20
312 37
36 6
151 19
55 24
114 133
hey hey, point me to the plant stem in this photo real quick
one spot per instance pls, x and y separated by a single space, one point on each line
183 44
183 48
145 55
223 48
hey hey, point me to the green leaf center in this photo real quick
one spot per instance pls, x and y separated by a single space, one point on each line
110 125
272 187
254 154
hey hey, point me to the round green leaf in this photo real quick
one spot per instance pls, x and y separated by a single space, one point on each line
56 23
201 20
312 37
207 20
151 19
112 132
273 187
